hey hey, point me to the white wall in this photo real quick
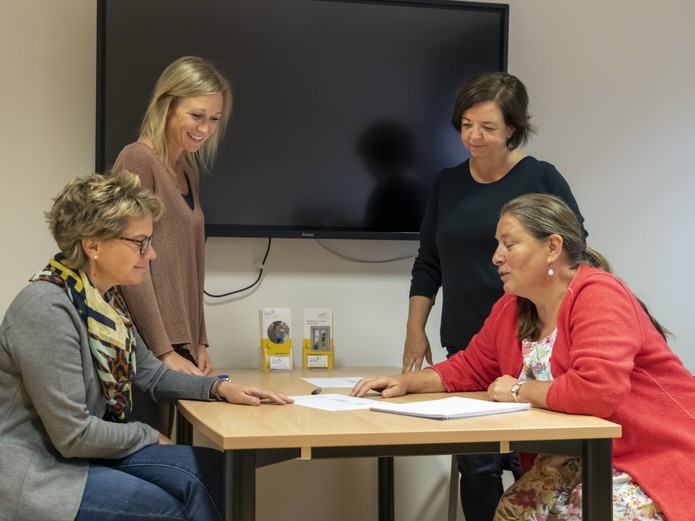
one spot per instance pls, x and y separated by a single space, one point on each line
610 85
611 89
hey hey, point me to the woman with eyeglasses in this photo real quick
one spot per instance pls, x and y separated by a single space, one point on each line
182 126
70 357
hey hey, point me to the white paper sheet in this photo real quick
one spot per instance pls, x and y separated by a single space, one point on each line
345 382
333 402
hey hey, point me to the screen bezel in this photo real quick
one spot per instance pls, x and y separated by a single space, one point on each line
279 231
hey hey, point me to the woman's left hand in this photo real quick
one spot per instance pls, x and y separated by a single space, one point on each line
250 395
204 362
501 389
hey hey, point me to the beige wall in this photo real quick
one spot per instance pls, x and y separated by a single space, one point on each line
47 94
611 90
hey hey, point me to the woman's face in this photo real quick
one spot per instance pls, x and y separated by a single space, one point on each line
484 132
118 261
191 121
521 259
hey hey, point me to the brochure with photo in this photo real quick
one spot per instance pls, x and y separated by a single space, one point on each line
276 339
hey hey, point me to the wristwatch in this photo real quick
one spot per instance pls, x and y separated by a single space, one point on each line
515 390
215 389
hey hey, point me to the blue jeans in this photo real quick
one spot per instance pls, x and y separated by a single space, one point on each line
162 482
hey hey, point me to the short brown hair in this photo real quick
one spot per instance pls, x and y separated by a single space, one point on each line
508 93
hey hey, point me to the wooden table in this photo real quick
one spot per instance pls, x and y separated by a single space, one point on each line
252 437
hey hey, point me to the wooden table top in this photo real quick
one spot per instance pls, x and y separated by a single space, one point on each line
230 426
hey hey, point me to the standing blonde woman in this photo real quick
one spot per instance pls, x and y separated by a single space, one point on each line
179 135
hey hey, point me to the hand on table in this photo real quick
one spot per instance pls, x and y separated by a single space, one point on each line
501 389
243 394
388 386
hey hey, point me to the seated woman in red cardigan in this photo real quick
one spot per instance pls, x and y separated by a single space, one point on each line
571 337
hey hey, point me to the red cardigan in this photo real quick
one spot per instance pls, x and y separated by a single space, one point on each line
608 361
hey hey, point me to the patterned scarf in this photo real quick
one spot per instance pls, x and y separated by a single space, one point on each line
111 338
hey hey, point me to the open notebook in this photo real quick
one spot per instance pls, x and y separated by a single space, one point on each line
450 408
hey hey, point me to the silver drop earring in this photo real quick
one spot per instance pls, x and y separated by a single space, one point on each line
551 272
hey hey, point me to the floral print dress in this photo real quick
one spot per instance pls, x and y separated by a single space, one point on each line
551 490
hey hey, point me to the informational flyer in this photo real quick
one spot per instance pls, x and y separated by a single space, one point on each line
276 339
317 345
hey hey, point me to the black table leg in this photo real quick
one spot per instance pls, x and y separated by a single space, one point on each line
597 480
386 508
184 430
240 485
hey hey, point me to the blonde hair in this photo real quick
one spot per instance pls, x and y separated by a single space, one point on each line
98 206
186 77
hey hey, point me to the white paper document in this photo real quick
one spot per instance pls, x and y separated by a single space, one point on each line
333 402
346 382
450 408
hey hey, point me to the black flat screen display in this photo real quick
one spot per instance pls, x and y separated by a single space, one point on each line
341 108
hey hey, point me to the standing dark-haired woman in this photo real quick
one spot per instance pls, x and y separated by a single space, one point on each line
457 239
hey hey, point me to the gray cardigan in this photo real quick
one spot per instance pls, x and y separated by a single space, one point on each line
51 406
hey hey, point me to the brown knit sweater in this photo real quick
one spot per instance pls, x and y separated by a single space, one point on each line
167 307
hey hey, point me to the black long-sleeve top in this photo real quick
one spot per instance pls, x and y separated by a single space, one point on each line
457 241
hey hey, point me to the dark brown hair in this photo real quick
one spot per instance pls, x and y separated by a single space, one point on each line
510 95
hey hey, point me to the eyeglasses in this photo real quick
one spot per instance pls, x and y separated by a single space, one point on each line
142 243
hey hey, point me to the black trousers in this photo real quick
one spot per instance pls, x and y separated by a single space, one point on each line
481 482
481 478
